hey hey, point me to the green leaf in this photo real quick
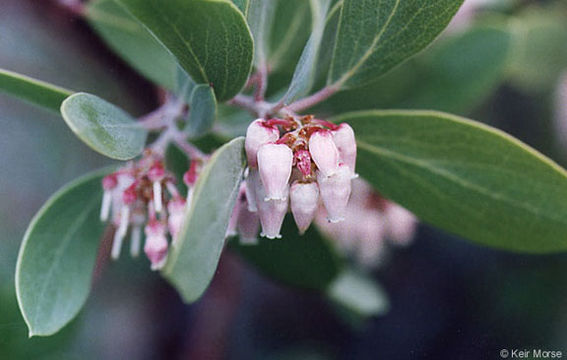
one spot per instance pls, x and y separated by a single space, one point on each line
260 19
57 256
291 28
203 111
128 38
358 295
242 5
464 177
305 72
193 260
455 75
104 127
33 91
307 261
209 38
376 35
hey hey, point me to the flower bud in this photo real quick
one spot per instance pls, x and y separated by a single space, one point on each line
272 213
191 175
346 145
335 192
303 160
258 134
324 152
274 163
156 244
400 224
304 201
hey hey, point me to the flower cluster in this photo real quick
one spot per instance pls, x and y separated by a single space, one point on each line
371 222
294 163
143 195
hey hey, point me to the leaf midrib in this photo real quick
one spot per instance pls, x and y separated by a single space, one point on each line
368 52
64 244
458 180
189 48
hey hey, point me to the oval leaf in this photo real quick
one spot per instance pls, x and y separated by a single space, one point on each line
193 260
456 74
57 256
103 126
373 36
464 177
133 42
307 261
209 38
203 110
33 91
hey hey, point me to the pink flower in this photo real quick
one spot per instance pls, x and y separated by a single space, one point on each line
400 224
346 145
369 227
271 213
303 161
252 182
304 201
324 152
156 244
335 192
258 134
176 209
274 163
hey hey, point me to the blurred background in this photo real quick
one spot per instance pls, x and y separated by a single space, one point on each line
449 298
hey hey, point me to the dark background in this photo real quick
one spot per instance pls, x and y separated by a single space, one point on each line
450 299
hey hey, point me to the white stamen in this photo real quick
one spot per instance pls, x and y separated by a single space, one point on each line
106 202
136 241
124 220
116 245
157 196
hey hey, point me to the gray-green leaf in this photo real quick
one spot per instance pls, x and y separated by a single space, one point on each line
260 19
193 260
210 39
133 42
376 35
464 177
456 74
103 126
57 256
33 91
203 111
305 72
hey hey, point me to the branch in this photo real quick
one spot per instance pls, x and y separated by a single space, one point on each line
312 100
